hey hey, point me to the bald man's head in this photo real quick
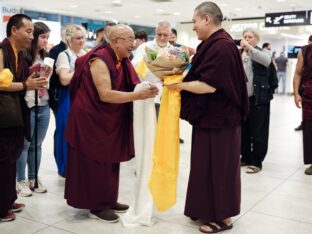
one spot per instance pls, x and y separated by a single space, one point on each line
121 39
119 31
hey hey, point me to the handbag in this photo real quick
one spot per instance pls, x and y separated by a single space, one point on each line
10 110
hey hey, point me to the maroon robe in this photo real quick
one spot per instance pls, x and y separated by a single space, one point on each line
99 134
12 139
307 104
214 185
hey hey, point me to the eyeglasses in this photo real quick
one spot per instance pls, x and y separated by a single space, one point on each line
130 41
79 38
162 34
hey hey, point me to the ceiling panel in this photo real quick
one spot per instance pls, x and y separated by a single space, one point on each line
149 12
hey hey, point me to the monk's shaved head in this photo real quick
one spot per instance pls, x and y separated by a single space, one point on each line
119 30
211 9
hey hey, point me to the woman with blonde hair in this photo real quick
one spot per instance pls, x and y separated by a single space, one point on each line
65 66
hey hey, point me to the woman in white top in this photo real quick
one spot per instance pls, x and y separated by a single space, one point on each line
34 56
65 66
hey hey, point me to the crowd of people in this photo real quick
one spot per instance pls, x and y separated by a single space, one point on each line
225 96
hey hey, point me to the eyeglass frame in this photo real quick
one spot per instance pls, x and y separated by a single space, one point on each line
130 41
163 34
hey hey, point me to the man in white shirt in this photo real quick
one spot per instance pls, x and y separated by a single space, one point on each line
162 36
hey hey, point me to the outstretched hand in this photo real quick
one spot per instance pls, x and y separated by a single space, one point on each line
174 71
149 92
174 86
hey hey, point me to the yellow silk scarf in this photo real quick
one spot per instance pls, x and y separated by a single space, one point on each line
141 69
6 77
163 182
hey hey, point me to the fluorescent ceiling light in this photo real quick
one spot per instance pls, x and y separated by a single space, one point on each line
292 36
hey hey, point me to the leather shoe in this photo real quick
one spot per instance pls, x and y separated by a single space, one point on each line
299 128
120 208
308 171
106 216
17 207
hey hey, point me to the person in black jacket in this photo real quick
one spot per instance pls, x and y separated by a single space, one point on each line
255 129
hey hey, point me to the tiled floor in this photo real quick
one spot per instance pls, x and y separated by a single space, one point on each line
277 200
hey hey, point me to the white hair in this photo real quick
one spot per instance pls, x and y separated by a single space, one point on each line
164 24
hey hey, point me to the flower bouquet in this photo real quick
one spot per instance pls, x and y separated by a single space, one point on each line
167 61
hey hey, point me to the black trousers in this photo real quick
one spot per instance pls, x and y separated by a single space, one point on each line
11 146
8 189
307 141
255 134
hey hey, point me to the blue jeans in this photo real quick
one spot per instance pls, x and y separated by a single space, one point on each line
28 154
282 76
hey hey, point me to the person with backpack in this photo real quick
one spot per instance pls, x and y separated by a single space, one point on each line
303 99
255 129
65 66
55 84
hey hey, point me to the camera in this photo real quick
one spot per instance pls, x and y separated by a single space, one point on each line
237 42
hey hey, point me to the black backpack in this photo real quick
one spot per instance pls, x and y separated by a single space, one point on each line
273 80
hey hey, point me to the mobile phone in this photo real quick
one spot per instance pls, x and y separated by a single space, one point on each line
35 69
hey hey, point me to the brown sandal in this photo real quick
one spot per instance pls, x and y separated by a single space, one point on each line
253 169
216 227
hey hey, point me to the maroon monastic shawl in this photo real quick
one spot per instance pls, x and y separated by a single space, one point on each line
101 131
218 63
306 77
19 75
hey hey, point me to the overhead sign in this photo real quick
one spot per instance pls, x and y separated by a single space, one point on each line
293 18
5 13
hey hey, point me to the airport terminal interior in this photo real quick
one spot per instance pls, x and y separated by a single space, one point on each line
276 200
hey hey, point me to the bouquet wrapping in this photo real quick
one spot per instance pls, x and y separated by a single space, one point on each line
167 61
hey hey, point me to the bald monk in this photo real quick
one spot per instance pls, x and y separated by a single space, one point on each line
100 126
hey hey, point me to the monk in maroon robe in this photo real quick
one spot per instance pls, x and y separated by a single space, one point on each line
100 129
303 98
14 126
214 100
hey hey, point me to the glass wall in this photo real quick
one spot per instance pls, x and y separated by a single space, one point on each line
90 24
